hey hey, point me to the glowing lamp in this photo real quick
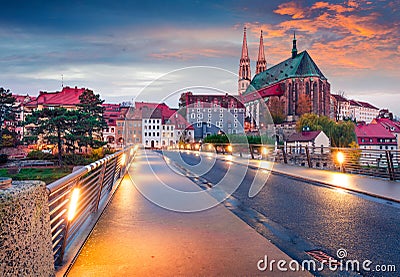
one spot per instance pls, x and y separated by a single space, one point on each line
340 157
264 151
229 148
123 159
73 203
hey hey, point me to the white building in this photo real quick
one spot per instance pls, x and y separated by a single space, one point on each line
362 111
314 140
151 131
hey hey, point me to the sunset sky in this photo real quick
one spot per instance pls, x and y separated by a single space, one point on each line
118 47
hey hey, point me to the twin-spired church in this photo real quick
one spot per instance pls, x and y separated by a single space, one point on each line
290 88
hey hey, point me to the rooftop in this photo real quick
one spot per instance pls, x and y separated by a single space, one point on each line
300 66
303 136
373 131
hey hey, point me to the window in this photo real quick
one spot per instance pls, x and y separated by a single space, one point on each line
209 124
145 134
198 124
209 115
158 134
192 116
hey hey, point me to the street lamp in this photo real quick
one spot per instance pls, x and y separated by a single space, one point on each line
264 152
229 148
340 159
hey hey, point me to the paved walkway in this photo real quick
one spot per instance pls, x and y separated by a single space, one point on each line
135 237
389 190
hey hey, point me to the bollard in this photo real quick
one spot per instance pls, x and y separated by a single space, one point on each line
25 237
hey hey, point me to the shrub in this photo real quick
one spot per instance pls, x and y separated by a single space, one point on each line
39 155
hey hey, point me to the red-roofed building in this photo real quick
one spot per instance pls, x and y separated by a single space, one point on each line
67 98
375 136
314 140
111 114
390 125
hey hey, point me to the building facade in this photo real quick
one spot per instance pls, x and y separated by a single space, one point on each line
213 114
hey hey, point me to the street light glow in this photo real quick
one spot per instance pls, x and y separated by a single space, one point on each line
73 203
265 151
229 148
340 157
123 159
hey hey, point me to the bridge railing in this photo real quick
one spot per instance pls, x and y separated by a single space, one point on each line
371 162
75 198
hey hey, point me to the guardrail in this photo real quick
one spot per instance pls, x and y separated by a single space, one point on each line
74 198
370 162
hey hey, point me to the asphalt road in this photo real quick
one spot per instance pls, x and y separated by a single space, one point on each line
313 217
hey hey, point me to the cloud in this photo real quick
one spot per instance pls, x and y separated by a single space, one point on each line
291 8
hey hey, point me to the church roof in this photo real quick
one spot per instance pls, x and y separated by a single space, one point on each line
300 66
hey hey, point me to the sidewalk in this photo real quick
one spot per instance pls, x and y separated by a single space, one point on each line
389 190
135 237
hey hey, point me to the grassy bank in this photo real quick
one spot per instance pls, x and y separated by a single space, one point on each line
46 175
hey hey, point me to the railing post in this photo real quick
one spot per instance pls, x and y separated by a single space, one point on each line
251 151
284 155
308 157
100 186
390 167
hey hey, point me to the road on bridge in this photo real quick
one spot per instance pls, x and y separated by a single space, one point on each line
298 216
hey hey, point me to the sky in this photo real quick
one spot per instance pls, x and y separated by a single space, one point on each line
126 50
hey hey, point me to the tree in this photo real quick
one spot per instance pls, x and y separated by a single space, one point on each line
304 104
277 110
341 134
91 121
8 112
52 126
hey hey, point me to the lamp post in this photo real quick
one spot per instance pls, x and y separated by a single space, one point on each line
340 158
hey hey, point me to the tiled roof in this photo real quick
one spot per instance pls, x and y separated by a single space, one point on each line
362 104
388 124
67 96
339 98
300 66
373 131
180 122
166 112
303 136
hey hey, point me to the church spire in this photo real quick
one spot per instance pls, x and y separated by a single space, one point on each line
261 64
294 49
244 66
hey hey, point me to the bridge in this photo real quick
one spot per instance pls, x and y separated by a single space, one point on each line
184 212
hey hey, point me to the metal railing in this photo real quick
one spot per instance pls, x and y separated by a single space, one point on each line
370 162
76 197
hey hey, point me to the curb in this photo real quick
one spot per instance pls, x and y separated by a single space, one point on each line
316 181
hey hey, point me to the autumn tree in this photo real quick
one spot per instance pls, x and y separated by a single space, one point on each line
277 109
341 133
303 104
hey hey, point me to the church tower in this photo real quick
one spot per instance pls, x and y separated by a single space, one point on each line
261 64
244 67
